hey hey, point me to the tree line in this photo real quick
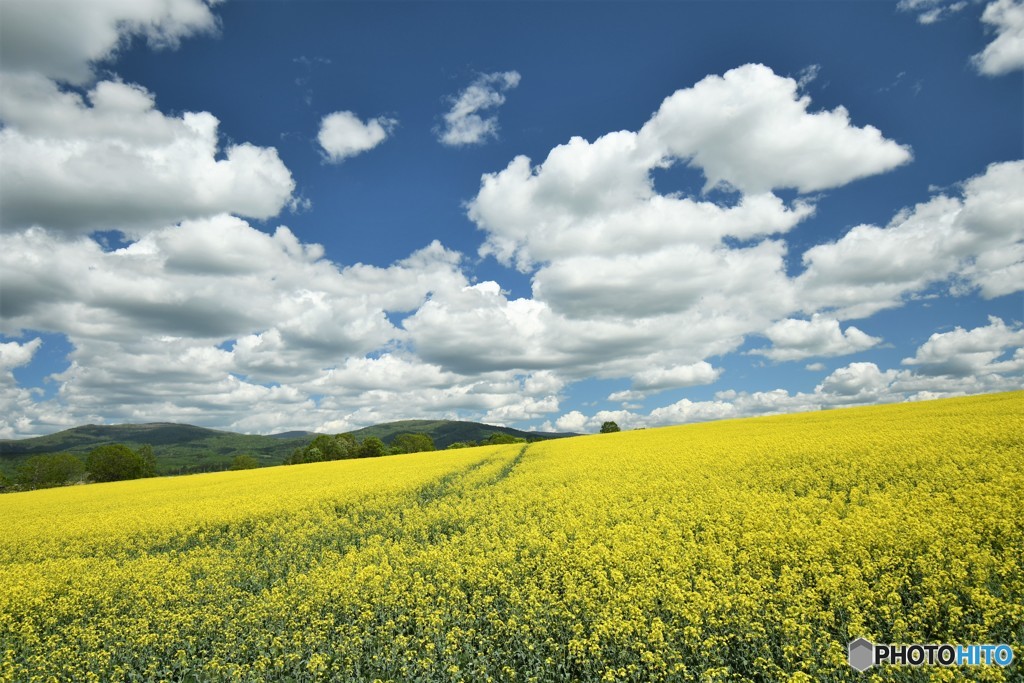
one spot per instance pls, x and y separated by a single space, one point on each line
110 462
345 446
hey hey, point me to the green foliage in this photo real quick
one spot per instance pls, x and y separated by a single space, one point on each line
244 462
372 447
5 483
324 447
337 447
50 469
498 438
145 452
461 444
412 443
609 427
115 462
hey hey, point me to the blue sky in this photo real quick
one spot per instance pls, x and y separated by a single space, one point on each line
322 215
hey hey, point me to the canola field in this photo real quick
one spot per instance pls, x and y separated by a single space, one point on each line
743 550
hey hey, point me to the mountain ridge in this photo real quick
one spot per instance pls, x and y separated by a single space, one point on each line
181 448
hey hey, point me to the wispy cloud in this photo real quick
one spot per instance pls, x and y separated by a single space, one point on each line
463 125
1006 17
807 75
932 11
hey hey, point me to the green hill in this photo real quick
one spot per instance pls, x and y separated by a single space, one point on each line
446 432
178 448
181 448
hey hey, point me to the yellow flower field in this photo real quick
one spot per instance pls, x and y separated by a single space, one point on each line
728 551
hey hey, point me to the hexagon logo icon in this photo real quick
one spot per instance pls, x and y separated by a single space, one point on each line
861 654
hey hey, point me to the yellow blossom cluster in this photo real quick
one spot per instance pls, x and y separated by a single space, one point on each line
728 551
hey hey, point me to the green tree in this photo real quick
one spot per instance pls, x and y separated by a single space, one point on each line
372 447
114 462
148 459
501 438
50 469
412 443
243 461
325 447
5 483
345 446
298 457
461 444
609 427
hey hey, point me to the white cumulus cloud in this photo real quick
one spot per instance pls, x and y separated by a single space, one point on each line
966 353
751 129
343 135
1006 52
114 162
19 410
978 238
63 39
794 339
573 421
627 276
857 383
15 354
658 379
102 156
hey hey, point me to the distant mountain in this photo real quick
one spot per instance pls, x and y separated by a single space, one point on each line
446 432
86 437
178 448
293 435
181 448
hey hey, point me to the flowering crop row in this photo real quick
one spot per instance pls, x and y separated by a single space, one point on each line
728 551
